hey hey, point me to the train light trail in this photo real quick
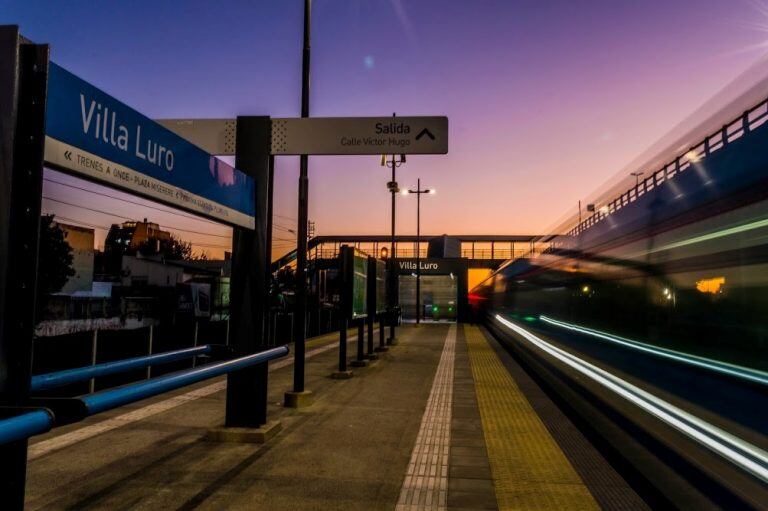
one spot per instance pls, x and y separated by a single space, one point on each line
740 372
744 455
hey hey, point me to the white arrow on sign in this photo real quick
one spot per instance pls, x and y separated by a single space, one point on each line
360 135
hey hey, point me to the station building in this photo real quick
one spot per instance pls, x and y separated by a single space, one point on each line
448 266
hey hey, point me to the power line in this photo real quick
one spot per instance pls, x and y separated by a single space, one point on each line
131 202
107 227
134 220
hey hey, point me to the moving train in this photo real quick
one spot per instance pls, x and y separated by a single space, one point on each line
647 318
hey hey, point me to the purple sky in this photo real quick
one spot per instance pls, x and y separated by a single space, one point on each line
546 99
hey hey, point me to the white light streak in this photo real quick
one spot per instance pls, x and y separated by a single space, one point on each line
744 455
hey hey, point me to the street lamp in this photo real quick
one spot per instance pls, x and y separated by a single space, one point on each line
637 177
393 189
418 191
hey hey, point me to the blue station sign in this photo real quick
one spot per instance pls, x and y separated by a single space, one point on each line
90 133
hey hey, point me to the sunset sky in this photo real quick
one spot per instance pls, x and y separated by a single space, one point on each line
546 99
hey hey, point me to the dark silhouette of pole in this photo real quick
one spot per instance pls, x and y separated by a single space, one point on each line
418 191
301 230
393 189
418 251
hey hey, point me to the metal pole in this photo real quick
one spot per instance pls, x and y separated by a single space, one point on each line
361 341
418 251
370 319
94 347
343 344
381 332
194 342
393 298
149 352
301 245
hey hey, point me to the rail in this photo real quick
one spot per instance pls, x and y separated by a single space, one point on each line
746 122
109 399
60 411
25 425
59 378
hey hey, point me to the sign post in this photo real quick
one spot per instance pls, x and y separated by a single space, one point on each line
247 389
23 75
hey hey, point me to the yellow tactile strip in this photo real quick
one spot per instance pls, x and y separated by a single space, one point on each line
529 469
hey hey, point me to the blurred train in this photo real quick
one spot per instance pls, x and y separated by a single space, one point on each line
648 319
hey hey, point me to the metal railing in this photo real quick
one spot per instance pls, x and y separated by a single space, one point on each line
731 131
409 253
113 398
25 425
56 412
59 378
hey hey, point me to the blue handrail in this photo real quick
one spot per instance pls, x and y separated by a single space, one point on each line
59 378
113 398
25 425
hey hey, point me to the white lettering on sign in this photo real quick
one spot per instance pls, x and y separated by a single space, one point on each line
409 265
104 126
360 135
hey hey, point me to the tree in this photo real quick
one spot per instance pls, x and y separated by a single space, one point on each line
54 266
176 249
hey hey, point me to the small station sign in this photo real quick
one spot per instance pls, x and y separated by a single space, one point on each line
360 135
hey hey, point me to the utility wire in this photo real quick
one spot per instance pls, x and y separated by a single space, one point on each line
134 220
107 227
130 201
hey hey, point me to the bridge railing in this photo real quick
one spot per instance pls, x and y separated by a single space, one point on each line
742 125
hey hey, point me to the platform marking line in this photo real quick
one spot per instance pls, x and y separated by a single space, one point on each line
56 443
529 469
426 479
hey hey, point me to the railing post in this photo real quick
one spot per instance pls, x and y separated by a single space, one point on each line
23 84
194 342
150 348
94 349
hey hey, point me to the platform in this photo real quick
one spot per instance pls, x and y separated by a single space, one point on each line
445 420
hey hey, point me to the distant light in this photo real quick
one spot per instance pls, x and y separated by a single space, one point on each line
434 308
384 252
692 156
404 191
450 309
713 285
585 289
433 191
369 62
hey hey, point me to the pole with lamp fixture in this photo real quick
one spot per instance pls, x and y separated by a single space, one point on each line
418 191
393 189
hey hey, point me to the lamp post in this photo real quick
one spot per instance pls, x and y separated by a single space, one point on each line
294 398
418 191
393 189
637 177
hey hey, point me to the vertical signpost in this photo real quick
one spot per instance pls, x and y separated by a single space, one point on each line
381 300
300 396
23 75
247 388
353 267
